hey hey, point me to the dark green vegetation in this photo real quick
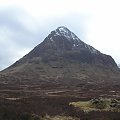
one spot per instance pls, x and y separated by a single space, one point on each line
60 70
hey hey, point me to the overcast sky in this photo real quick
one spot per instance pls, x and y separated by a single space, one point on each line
25 23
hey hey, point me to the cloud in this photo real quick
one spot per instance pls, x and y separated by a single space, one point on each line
14 37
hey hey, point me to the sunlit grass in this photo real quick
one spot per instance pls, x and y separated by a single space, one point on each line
88 106
58 117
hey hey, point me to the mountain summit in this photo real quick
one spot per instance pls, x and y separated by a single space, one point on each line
68 40
64 44
62 60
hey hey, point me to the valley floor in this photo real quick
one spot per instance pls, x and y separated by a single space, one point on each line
53 104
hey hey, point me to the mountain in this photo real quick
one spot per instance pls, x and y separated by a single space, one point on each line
62 60
63 44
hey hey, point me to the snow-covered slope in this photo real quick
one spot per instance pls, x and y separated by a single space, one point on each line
72 38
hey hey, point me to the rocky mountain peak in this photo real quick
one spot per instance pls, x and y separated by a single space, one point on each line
63 37
66 33
63 31
64 44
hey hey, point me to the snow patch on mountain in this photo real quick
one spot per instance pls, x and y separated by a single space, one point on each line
71 37
63 31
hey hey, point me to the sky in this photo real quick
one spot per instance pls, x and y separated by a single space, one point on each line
25 23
